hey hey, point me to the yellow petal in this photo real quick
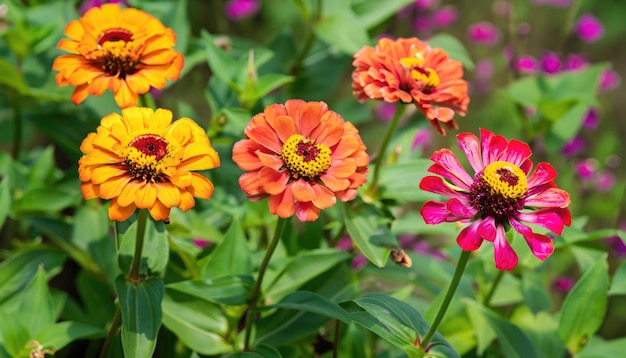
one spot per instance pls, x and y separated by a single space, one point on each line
103 173
201 187
128 194
186 201
168 194
146 196
120 213
113 187
159 211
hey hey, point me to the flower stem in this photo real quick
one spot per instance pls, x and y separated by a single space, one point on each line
133 274
256 290
115 325
383 147
495 284
147 100
456 278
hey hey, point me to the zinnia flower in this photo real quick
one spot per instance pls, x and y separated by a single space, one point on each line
503 193
410 71
302 156
142 159
126 51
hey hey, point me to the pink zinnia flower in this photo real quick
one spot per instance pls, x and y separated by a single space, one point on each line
502 192
590 120
527 64
445 16
575 62
550 63
609 80
589 28
484 33
239 9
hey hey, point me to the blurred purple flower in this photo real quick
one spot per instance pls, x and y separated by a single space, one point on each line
575 62
563 284
501 8
88 4
615 243
201 243
574 146
385 111
557 3
423 140
605 180
445 16
590 120
527 64
424 4
589 28
484 33
359 262
483 73
239 9
586 169
422 23
416 244
550 63
345 244
609 80
523 29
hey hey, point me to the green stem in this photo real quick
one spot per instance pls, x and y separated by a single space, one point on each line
18 126
256 290
147 100
336 341
310 39
383 147
115 325
456 278
495 284
133 274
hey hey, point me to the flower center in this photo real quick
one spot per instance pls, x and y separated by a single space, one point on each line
499 189
117 54
304 158
424 75
143 155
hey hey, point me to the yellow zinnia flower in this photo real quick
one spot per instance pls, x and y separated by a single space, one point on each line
142 159
124 50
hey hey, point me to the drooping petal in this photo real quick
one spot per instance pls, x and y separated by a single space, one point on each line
159 211
120 213
469 239
168 195
307 211
506 258
437 185
487 229
282 204
461 209
302 190
548 218
323 197
273 181
435 212
540 245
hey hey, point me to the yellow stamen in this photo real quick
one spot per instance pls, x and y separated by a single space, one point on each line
304 158
427 75
505 179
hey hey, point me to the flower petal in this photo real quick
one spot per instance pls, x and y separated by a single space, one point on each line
201 186
505 257
435 212
547 218
469 144
541 245
323 197
544 173
446 159
437 185
120 213
487 229
273 181
310 116
158 211
282 204
460 209
469 239
307 211
552 197
146 196
302 190
517 152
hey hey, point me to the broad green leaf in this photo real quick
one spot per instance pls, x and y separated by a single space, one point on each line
541 328
58 335
453 47
485 335
373 13
42 170
312 302
141 315
223 66
302 268
90 225
261 351
580 85
17 270
618 282
262 86
199 324
341 28
156 247
600 348
228 290
401 181
525 91
46 200
584 307
364 224
36 307
535 295
235 121
6 197
231 256
10 76
98 307
513 341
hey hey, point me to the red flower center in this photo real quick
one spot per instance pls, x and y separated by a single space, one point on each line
150 144
112 35
307 150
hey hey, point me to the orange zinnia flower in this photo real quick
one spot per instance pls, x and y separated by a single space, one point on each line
142 160
409 70
124 50
303 157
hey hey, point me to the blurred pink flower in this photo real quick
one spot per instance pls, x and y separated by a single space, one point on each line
574 146
424 4
386 111
609 80
605 180
345 244
445 16
523 29
527 64
589 28
88 4
557 3
484 33
575 62
590 120
586 169
501 8
550 63
422 23
239 9
483 74
201 243
563 284
423 140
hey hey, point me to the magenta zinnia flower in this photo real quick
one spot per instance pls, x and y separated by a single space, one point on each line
503 193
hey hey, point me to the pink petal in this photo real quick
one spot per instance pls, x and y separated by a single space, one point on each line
307 211
526 166
448 161
462 210
553 197
505 257
547 218
468 143
541 245
517 152
435 212
542 174
492 146
469 239
487 229
437 185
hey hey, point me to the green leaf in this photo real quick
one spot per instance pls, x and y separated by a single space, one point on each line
36 307
231 256
618 283
222 65
312 302
42 171
46 200
513 341
228 290
453 47
302 268
264 85
6 197
199 324
400 181
260 351
600 348
156 248
373 13
10 76
341 28
17 270
141 315
364 224
535 295
584 307
58 335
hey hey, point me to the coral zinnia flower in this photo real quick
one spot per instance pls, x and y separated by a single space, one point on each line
303 157
410 71
142 160
501 193
124 50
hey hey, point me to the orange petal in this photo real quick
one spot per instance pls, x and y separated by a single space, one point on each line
168 194
273 181
90 190
113 187
310 116
342 168
245 156
282 204
80 93
120 213
273 111
323 197
334 183
125 97
103 173
306 211
285 127
201 187
146 196
302 190
249 183
265 136
129 192
347 146
270 160
186 201
158 211
330 131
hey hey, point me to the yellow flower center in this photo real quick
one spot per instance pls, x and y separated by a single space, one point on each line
143 158
427 76
505 179
117 54
304 158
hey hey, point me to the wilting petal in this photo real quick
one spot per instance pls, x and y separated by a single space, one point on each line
469 239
